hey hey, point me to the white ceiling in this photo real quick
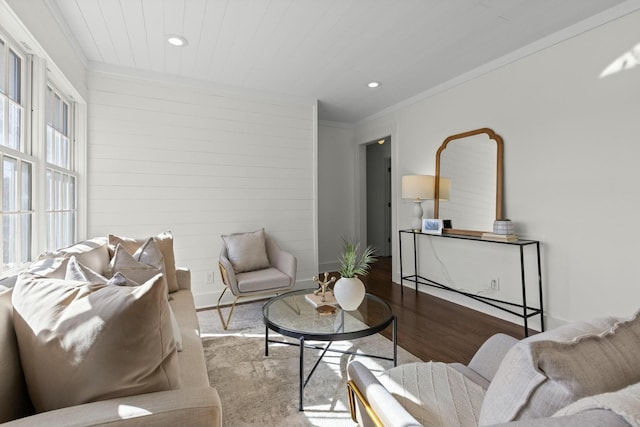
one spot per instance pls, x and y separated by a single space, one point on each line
322 49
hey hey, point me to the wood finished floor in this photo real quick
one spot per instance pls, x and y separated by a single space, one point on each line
432 328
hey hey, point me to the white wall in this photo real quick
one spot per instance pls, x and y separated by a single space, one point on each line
201 163
571 174
39 29
336 193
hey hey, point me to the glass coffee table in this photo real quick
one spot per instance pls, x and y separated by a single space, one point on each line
292 315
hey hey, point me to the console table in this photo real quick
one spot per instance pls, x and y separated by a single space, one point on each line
521 310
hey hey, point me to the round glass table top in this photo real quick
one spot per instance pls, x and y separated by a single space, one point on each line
293 315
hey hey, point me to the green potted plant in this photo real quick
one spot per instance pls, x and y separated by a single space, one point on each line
349 289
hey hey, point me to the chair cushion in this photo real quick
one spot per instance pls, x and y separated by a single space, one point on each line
262 280
435 394
247 251
548 371
81 342
164 241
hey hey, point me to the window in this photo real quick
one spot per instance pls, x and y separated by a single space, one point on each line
61 177
40 160
16 165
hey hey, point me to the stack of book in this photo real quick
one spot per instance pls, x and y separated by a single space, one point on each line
500 237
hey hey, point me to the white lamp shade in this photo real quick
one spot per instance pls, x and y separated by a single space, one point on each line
418 187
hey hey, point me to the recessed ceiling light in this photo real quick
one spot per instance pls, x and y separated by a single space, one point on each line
373 84
381 141
176 40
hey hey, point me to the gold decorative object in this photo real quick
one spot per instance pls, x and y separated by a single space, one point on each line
323 285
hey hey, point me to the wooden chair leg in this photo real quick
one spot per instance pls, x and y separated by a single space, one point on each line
225 325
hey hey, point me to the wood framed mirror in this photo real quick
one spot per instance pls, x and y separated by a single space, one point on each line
468 183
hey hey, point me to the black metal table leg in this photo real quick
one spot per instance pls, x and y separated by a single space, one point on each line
301 407
540 288
400 251
525 316
266 340
395 342
415 262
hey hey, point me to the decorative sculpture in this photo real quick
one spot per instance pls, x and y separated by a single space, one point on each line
323 285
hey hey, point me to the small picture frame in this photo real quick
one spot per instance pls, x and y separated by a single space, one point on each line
432 226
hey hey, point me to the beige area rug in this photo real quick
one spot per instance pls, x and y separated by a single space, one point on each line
263 391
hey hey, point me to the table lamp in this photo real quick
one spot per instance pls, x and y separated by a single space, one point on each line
417 188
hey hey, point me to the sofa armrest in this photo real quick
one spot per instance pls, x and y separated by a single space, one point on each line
190 406
183 276
596 417
490 354
374 401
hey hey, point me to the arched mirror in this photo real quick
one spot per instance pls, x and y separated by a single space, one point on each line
468 187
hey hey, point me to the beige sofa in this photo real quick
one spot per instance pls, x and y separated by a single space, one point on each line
192 402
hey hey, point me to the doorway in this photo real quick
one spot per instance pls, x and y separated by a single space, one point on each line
378 195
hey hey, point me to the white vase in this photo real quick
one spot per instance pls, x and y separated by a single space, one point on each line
349 292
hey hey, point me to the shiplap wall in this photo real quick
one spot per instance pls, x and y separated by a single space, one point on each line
201 162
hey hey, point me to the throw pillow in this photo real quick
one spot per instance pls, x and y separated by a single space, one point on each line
93 253
80 273
54 268
81 342
131 268
165 244
247 251
548 371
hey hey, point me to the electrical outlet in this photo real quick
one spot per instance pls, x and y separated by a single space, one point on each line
208 277
495 284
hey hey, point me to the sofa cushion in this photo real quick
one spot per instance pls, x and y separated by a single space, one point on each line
191 359
164 241
247 251
625 403
13 390
81 342
548 371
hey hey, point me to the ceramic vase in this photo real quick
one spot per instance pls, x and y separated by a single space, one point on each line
349 292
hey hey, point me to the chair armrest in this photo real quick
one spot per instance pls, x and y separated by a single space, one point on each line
190 406
490 354
228 274
283 261
374 401
183 276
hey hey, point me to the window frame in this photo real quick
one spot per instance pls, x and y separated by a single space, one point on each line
23 153
62 207
38 73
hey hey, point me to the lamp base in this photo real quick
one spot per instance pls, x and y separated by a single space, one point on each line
416 222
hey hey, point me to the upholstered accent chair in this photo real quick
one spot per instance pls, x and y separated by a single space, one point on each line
253 264
579 374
